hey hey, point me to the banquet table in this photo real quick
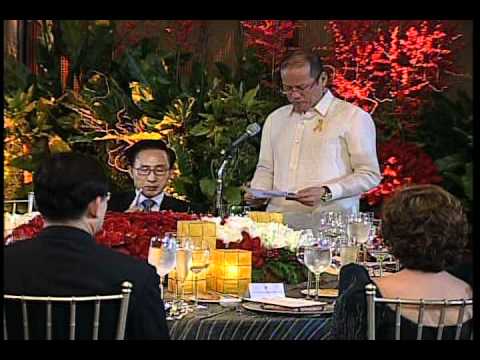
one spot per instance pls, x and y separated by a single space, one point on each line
243 324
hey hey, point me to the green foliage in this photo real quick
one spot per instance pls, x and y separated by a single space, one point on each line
227 112
200 114
284 268
16 76
447 135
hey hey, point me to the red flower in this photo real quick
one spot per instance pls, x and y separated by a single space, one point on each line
128 233
402 164
397 65
258 261
269 38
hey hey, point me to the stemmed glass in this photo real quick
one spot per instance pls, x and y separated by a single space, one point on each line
358 228
306 239
375 232
380 254
332 224
348 249
318 257
182 267
162 255
200 262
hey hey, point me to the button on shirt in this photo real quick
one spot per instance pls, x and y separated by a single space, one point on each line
137 202
333 144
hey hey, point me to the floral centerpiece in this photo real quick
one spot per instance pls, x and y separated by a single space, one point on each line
128 233
273 247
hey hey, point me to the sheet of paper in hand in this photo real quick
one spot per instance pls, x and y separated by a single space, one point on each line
265 194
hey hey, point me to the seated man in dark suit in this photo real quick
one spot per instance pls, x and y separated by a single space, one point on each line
71 193
150 166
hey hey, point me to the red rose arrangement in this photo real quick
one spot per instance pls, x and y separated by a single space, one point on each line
402 164
268 264
128 233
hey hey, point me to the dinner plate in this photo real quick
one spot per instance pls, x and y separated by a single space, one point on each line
377 263
322 292
273 309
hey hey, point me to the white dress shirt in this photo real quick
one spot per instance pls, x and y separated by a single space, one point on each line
333 145
139 197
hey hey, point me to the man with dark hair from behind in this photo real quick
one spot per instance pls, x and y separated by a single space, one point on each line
151 164
71 193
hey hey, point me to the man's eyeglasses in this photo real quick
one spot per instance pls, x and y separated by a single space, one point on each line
145 171
286 90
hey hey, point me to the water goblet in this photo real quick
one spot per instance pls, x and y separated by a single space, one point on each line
306 239
318 257
359 227
182 267
200 262
162 255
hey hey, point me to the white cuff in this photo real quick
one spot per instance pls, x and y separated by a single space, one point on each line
335 189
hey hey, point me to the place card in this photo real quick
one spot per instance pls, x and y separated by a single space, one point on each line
266 290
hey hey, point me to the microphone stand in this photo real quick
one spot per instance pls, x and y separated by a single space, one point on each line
220 175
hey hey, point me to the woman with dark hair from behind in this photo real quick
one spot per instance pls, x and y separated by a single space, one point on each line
427 231
71 193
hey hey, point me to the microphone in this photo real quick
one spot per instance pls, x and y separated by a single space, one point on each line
252 130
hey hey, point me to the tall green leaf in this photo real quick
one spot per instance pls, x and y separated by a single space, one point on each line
208 185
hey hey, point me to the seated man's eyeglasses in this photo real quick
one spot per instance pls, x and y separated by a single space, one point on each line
286 90
145 171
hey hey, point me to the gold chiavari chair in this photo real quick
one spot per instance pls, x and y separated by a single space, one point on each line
422 304
123 298
14 203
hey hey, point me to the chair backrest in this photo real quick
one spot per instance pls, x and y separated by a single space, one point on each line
29 202
422 304
123 298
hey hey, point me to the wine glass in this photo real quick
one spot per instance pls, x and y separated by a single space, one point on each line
358 227
182 266
306 239
162 255
200 262
374 232
318 257
348 249
380 255
333 224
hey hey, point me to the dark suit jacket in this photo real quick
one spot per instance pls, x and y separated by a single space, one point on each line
65 261
121 201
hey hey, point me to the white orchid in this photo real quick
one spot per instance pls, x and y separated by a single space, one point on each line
272 235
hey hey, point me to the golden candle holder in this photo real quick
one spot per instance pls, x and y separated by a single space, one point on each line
265 217
198 231
231 271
